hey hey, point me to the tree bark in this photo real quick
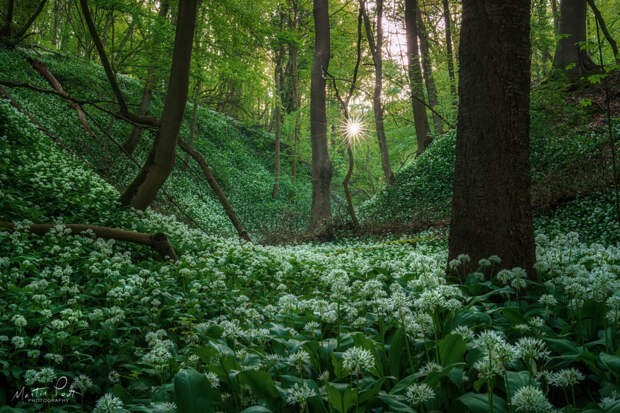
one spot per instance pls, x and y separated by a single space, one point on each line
447 21
278 111
192 126
427 67
491 210
295 95
415 76
159 241
569 55
376 50
198 157
136 131
42 69
322 169
142 191
608 36
556 16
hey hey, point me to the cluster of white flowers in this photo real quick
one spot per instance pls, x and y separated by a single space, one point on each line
299 394
530 399
419 393
357 358
109 403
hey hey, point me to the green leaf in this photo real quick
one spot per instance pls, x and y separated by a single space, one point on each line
451 349
260 382
193 392
340 396
397 348
395 404
611 361
479 403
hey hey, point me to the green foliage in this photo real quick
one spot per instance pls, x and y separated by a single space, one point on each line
350 326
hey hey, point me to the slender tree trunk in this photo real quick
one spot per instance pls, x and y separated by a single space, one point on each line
200 159
136 131
295 95
427 65
55 29
556 16
147 93
415 76
278 111
448 29
322 169
603 26
142 191
8 19
491 211
376 49
569 55
192 126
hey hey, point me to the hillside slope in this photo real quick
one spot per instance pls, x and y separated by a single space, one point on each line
241 157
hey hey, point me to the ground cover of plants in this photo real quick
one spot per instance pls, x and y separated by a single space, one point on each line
350 326
240 155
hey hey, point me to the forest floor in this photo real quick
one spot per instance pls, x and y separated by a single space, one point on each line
360 324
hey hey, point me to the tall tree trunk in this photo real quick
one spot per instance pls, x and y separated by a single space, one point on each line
147 93
415 76
608 36
136 131
427 66
141 192
568 52
322 169
556 16
448 29
8 19
491 211
278 110
376 49
192 125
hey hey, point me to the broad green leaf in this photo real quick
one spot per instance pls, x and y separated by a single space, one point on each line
479 403
397 351
193 392
260 382
451 349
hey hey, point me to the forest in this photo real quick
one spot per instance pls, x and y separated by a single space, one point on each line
333 206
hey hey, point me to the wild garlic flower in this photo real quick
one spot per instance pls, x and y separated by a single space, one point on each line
46 375
356 359
19 320
464 331
489 367
311 326
299 358
214 381
547 300
566 377
530 399
108 403
429 368
529 348
18 341
419 393
82 383
299 394
114 377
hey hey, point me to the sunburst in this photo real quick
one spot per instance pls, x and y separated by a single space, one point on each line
353 130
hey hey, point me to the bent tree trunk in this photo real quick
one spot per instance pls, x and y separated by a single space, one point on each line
415 76
608 36
200 159
321 164
159 241
569 55
141 192
491 211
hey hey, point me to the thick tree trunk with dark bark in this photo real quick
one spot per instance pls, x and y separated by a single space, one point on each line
376 49
142 191
447 21
415 76
427 66
569 55
491 211
322 169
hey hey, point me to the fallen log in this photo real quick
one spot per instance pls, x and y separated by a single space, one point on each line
159 241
